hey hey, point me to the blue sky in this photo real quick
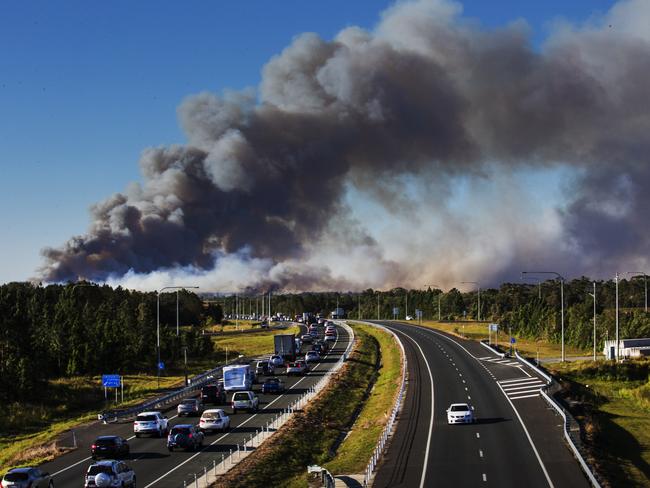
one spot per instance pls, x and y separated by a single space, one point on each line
86 86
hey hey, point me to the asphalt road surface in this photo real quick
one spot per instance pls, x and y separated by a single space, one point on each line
516 441
155 466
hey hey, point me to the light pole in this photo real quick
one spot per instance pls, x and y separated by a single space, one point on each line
561 278
645 284
594 297
616 353
479 297
439 295
406 305
158 320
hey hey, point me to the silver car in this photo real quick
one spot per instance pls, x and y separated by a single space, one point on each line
190 406
27 478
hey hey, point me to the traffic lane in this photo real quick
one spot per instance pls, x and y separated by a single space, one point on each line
147 452
459 453
543 424
403 462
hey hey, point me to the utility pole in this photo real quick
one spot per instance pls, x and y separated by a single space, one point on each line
617 349
561 278
594 297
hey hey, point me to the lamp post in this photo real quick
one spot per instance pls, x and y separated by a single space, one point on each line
479 297
406 307
439 295
616 353
645 285
561 278
158 320
593 295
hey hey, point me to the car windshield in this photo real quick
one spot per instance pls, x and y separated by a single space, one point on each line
146 418
459 408
180 430
99 468
262 364
105 442
188 402
210 415
240 396
16 477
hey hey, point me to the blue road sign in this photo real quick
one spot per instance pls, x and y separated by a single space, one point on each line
111 380
512 340
161 365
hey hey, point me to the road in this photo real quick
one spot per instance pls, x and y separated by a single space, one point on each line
156 467
517 441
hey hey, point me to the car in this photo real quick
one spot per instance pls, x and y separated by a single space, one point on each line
330 338
276 360
312 357
318 348
409 317
214 419
264 368
150 423
306 338
272 385
324 345
109 473
213 393
189 406
298 367
27 478
245 400
313 333
460 413
185 436
109 446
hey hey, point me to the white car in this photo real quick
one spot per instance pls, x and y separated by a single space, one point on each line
214 419
460 413
330 337
276 360
150 423
245 400
312 357
109 473
409 317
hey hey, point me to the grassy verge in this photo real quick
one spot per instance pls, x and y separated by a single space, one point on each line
308 437
28 430
612 401
252 344
526 347
353 454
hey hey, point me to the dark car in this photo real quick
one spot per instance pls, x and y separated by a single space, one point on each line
272 385
27 478
185 436
318 348
109 446
214 393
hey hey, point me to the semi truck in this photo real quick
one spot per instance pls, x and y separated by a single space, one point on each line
238 377
285 346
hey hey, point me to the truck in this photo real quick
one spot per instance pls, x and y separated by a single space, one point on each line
285 346
337 313
238 377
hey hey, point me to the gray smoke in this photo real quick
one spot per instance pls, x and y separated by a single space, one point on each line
425 98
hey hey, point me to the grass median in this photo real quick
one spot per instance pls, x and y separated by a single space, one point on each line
358 399
612 402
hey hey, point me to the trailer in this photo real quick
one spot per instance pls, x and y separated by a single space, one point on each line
285 346
238 377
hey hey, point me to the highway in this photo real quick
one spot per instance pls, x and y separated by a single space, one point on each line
155 466
516 441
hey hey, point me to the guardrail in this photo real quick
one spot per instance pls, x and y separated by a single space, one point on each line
493 350
210 473
397 407
566 416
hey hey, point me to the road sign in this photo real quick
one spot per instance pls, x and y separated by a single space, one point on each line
418 313
111 380
161 365
512 340
395 310
494 327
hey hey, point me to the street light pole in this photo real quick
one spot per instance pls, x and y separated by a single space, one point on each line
561 278
645 285
158 292
594 297
616 354
479 297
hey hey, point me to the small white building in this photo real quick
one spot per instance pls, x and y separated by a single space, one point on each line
628 348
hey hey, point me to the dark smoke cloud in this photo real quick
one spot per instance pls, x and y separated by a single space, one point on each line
426 95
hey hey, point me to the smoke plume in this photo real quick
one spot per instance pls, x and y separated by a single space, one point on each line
344 169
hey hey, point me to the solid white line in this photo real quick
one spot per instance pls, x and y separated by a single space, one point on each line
484 477
516 394
527 396
486 357
480 453
71 466
478 436
535 387
239 425
427 449
518 380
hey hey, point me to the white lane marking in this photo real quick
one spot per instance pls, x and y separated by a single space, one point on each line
478 436
239 425
480 453
485 357
469 397
513 363
526 396
484 477
519 386
426 452
514 394
517 380
521 368
515 391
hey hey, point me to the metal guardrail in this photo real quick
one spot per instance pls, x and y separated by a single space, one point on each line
566 416
493 350
397 407
211 472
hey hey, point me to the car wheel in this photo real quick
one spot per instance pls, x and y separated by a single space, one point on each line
50 484
170 449
234 411
137 436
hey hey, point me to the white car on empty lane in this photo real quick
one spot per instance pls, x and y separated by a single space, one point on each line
460 413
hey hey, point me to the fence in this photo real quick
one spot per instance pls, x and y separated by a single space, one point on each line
211 472
397 407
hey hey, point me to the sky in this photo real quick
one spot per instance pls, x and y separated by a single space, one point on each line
85 87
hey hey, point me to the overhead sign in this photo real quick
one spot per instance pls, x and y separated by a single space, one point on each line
111 380
494 327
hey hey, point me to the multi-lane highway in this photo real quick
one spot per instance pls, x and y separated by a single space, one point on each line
155 466
516 441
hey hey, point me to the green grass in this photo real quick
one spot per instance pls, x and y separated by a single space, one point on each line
307 438
616 416
355 451
250 344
